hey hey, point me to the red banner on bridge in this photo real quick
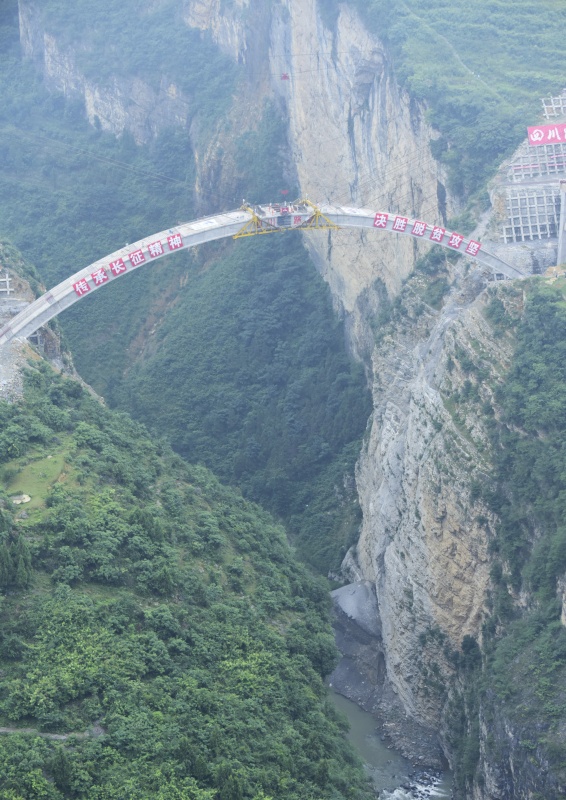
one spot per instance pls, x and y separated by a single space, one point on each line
547 134
81 287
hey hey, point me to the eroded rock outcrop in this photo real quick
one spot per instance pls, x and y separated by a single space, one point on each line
424 537
121 104
356 139
512 764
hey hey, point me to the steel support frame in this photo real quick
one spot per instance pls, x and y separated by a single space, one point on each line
256 225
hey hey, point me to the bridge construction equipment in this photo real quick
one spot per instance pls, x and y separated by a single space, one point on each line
249 220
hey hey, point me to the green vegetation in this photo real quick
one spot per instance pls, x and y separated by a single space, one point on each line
481 67
532 444
70 194
149 611
253 380
258 385
530 500
155 617
118 39
523 674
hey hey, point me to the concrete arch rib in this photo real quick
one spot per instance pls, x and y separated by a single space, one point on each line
247 221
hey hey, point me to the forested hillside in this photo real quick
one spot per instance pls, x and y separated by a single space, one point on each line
481 67
255 383
270 401
74 193
517 679
152 618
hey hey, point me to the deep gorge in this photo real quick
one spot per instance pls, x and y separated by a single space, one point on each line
371 393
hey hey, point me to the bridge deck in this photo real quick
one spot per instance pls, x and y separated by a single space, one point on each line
247 221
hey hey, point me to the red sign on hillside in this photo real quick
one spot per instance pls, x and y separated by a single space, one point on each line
547 134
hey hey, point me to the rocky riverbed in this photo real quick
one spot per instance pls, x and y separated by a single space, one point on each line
361 675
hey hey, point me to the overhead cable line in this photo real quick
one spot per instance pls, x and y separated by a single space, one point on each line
105 159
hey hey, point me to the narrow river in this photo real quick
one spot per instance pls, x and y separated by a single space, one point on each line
392 775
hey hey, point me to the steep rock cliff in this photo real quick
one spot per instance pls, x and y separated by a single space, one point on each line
511 765
429 545
424 536
354 136
226 23
122 104
356 139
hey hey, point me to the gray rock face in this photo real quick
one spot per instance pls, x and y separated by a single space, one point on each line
12 360
421 566
510 762
359 603
421 543
350 129
123 104
361 674
354 138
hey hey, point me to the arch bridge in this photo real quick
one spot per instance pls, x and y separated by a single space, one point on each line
249 220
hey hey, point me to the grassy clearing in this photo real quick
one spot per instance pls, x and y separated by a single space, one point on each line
37 472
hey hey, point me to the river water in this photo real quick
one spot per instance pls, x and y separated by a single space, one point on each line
392 775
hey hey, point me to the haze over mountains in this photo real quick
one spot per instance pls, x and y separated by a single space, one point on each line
397 416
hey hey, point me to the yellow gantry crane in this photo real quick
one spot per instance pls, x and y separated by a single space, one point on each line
279 217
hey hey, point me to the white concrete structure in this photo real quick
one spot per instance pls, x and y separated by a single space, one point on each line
5 284
561 255
247 221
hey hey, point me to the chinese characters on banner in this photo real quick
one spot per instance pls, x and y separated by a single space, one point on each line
136 258
473 248
381 220
155 249
81 287
117 267
455 240
175 241
546 134
419 228
100 276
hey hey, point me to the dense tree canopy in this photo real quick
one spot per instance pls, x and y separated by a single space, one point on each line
155 616
251 368
480 67
523 670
